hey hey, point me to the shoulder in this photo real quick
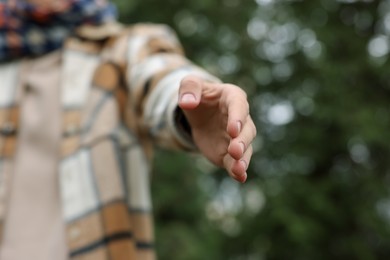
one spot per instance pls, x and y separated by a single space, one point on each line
117 41
115 29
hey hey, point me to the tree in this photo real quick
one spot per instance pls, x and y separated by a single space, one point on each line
317 76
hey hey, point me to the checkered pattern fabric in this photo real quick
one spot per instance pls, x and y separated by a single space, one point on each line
118 100
30 30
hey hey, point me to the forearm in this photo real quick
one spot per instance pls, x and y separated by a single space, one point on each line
157 66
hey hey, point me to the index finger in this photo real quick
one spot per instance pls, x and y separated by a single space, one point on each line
237 109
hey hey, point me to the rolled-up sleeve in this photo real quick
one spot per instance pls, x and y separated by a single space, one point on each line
156 67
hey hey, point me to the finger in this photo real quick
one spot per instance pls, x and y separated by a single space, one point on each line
237 168
190 92
239 145
238 110
228 163
240 166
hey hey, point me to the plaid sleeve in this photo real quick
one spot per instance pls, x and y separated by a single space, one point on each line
156 67
31 30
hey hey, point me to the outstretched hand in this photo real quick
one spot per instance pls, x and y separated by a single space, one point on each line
222 128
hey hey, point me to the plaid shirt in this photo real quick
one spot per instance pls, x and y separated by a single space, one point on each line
118 100
31 30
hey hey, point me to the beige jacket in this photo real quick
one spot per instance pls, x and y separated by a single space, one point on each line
77 128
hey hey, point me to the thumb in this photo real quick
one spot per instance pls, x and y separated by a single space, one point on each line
190 92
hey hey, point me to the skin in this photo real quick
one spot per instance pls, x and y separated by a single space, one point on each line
221 125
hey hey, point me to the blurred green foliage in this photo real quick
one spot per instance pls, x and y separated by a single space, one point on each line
317 75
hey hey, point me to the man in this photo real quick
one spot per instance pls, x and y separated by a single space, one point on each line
82 102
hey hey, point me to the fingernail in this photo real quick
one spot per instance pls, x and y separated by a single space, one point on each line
242 178
242 145
187 98
243 163
239 125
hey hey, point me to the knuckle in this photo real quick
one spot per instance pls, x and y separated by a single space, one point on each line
244 94
190 80
246 107
238 90
253 127
250 148
248 153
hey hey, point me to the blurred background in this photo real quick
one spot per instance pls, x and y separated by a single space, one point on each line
318 78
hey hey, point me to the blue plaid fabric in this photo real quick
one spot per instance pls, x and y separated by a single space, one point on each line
31 30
